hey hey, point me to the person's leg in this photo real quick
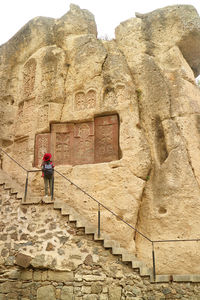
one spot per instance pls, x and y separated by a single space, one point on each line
46 181
51 185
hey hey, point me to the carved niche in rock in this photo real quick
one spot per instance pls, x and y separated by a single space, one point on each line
85 100
80 143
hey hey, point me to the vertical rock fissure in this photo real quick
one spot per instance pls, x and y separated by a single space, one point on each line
140 204
188 154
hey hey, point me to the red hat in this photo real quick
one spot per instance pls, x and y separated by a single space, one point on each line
47 156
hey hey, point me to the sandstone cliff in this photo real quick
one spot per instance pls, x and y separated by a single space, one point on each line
56 72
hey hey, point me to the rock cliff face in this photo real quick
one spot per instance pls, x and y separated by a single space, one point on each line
121 118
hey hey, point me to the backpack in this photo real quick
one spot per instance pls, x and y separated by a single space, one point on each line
48 170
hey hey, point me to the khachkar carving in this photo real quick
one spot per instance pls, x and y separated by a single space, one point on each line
62 143
109 97
42 118
106 138
29 77
42 146
113 95
29 115
82 143
83 146
85 100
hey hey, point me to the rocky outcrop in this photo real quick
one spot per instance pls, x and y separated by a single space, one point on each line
58 72
169 103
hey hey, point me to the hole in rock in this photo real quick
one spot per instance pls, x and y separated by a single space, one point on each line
162 210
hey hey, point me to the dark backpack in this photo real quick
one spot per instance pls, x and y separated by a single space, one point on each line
48 170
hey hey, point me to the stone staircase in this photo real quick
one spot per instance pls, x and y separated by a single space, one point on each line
108 243
115 247
10 184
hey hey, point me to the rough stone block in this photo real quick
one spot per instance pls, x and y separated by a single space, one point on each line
115 293
94 278
86 290
96 288
6 287
14 274
23 260
37 275
60 276
103 297
46 292
67 293
44 275
90 297
26 275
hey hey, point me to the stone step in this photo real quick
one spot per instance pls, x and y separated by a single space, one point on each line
185 278
89 229
137 264
7 186
32 200
64 212
80 223
145 271
73 218
118 250
2 180
161 278
19 196
58 204
195 278
47 200
13 191
128 257
111 244
101 238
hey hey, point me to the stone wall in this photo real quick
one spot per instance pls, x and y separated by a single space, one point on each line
61 262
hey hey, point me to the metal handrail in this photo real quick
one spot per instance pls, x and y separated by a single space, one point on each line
102 205
113 213
13 159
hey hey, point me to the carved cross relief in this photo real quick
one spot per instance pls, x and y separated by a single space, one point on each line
80 143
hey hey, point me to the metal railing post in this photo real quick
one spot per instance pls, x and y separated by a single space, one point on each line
26 186
154 262
52 191
99 220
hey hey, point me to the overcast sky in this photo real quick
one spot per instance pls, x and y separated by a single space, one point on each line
108 13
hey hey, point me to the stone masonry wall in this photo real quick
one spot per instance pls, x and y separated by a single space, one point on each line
65 263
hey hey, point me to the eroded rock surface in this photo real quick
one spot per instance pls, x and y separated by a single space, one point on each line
57 71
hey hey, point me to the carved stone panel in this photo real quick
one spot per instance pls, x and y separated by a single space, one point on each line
80 143
109 96
28 115
62 143
79 101
42 146
29 77
42 117
106 138
83 144
85 100
90 99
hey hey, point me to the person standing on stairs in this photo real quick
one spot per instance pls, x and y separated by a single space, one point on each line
48 173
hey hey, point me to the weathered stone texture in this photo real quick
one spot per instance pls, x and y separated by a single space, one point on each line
54 73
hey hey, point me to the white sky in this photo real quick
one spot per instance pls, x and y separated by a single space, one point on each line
108 13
